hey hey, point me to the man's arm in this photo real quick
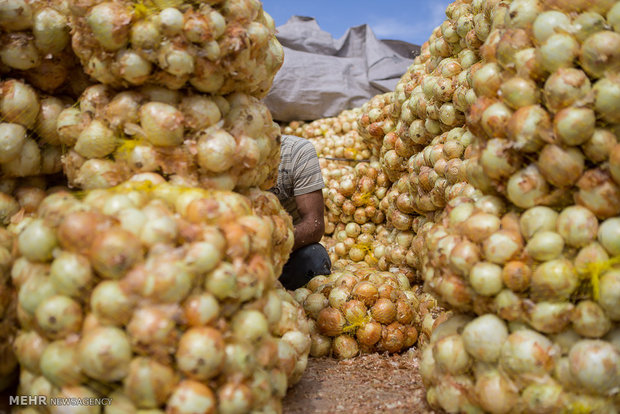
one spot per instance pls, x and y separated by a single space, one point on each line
311 227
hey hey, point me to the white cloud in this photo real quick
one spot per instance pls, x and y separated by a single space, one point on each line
417 28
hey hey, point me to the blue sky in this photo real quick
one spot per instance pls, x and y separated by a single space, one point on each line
411 21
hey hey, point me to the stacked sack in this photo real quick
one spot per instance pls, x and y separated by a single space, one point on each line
536 258
154 284
194 139
158 296
358 309
35 45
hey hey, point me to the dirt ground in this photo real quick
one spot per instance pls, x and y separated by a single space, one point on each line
367 384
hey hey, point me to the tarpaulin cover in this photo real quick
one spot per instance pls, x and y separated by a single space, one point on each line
322 76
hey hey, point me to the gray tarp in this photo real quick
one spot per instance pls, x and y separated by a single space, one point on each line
322 76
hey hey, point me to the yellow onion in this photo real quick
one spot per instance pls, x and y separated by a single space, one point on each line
105 353
315 303
345 347
450 355
148 383
542 397
495 392
545 245
590 320
110 303
609 235
59 316
369 333
383 311
37 241
594 364
191 396
330 321
484 336
527 352
200 353
609 293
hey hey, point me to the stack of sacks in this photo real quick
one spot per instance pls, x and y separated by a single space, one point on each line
376 120
360 309
539 267
217 47
194 139
35 45
158 296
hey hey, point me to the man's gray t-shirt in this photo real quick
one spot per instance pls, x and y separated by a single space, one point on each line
299 173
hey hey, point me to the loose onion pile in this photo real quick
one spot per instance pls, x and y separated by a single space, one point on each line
30 142
217 47
358 309
158 296
486 364
194 139
35 44
341 124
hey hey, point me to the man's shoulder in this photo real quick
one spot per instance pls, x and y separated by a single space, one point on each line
295 144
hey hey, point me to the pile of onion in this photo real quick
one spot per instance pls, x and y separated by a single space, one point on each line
358 309
216 47
196 140
35 45
546 114
341 124
487 365
159 297
30 143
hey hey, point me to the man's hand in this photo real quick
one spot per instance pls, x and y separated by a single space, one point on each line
311 227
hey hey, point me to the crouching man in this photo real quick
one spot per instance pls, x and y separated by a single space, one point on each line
299 188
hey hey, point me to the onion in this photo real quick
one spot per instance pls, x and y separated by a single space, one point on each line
577 225
37 241
330 321
113 252
545 245
574 126
486 278
369 333
516 275
502 246
494 332
110 303
548 317
383 311
450 355
59 316
200 353
234 398
542 397
527 353
453 392
105 353
71 274
607 98
558 51
148 383
553 280
28 347
479 226
566 87
561 167
599 53
537 219
314 303
590 320
598 193
548 23
527 187
495 392
345 347
594 364
610 293
191 397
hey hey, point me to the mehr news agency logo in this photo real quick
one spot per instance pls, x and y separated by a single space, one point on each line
43 400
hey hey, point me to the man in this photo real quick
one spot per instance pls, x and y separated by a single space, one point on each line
299 188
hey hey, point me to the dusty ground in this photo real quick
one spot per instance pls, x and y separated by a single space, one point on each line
367 384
